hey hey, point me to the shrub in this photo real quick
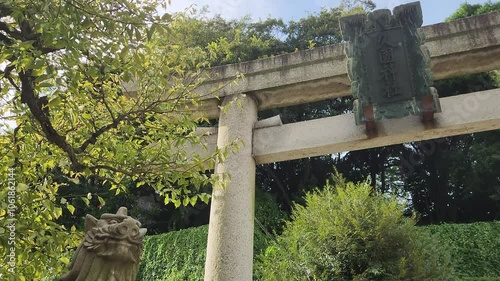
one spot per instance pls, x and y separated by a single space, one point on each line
347 233
474 248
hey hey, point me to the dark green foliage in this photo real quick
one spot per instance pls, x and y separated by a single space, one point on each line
460 173
180 255
474 248
87 195
314 30
348 233
467 10
233 41
269 217
468 84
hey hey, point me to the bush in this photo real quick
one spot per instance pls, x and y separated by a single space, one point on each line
348 233
474 248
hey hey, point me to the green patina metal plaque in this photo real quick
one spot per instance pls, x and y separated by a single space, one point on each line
388 65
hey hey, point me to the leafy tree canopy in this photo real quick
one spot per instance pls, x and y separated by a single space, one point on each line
468 10
66 70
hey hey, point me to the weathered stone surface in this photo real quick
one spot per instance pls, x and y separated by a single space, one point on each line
110 250
230 233
462 114
464 46
388 65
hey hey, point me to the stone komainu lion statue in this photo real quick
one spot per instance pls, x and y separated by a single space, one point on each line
110 251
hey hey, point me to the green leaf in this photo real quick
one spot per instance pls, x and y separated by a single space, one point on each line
151 31
53 103
193 200
124 52
86 200
138 35
130 31
70 208
75 180
26 63
5 55
64 260
41 78
101 200
205 198
25 45
45 85
60 44
166 17
177 203
21 187
58 212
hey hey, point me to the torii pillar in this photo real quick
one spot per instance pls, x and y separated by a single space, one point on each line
231 228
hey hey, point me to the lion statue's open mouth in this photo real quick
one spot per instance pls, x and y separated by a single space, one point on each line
111 249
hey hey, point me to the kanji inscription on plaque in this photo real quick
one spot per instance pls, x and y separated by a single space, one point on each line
388 65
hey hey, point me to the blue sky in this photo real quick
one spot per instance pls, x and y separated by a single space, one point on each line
434 11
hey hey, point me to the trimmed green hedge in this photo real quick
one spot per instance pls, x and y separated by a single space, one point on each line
475 249
175 254
180 255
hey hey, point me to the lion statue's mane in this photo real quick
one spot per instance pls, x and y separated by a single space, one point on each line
110 250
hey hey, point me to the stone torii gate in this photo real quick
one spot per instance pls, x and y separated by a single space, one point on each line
466 46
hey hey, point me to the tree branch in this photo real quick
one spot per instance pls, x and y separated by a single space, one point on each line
102 16
28 97
7 75
25 34
93 138
103 97
117 170
5 39
113 125
12 33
